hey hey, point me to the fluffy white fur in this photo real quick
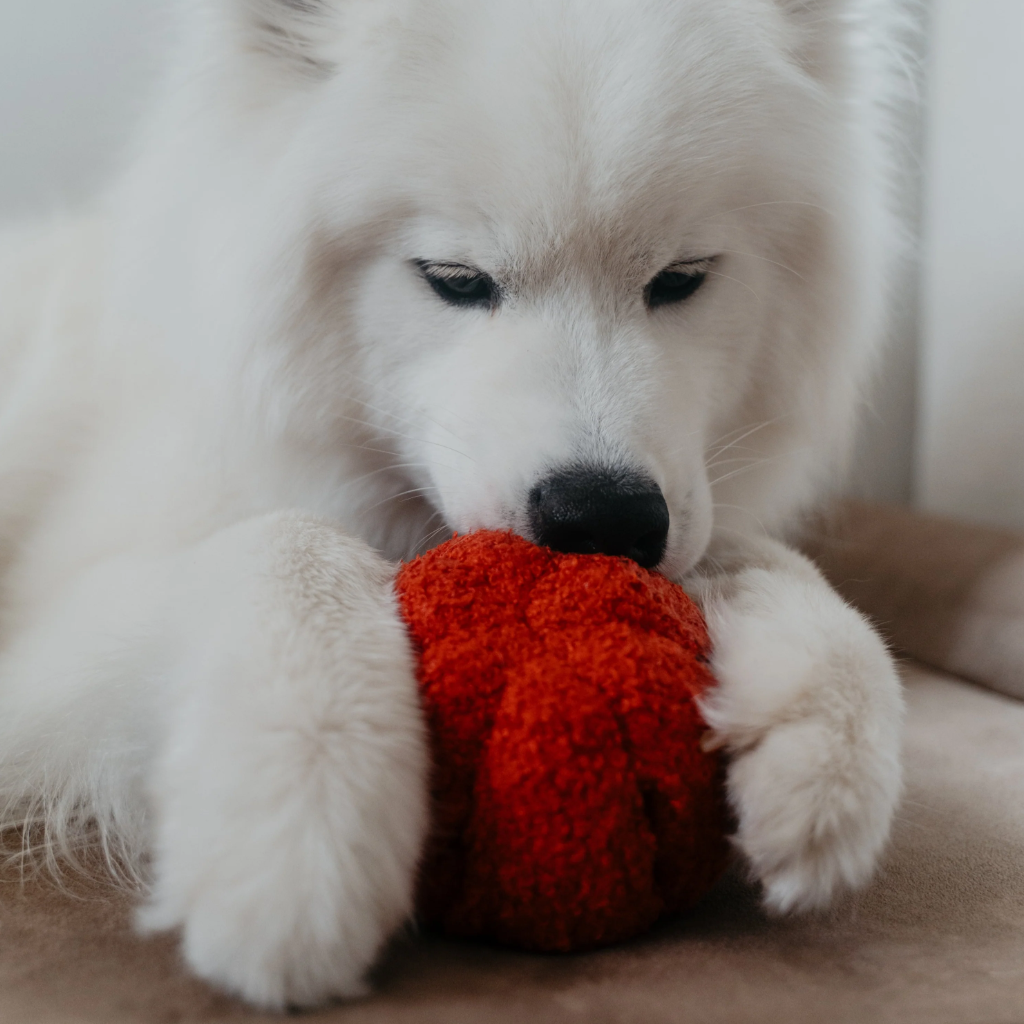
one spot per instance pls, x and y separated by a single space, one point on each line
229 399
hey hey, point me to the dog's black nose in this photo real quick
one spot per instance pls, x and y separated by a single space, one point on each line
597 511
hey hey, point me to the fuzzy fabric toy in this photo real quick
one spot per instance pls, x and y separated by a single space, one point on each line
573 804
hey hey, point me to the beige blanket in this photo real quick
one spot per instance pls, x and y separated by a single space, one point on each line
938 938
948 594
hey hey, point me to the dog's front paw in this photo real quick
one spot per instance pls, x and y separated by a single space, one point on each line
290 794
809 706
286 876
271 940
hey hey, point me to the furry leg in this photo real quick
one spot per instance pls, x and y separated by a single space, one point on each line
263 705
810 708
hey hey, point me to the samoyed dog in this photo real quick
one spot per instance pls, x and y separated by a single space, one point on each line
605 273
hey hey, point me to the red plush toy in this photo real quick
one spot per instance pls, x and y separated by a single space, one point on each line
573 804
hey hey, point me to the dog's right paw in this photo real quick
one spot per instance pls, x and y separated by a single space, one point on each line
287 857
276 949
274 942
290 790
288 837
289 903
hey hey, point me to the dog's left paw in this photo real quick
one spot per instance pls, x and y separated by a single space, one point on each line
810 707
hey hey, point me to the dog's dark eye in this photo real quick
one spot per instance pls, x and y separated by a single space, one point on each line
459 285
677 283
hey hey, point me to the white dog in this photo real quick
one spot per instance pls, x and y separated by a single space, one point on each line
605 272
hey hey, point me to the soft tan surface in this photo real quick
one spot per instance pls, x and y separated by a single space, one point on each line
948 594
938 938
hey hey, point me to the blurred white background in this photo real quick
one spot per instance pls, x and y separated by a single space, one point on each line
74 77
970 460
946 428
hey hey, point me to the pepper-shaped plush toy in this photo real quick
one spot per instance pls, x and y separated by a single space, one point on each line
573 805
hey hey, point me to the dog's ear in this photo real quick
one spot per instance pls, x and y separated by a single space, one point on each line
820 28
879 39
298 35
821 15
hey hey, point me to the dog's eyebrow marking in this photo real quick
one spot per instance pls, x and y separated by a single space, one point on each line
691 266
289 34
450 271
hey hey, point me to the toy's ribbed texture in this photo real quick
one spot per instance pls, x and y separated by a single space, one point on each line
573 805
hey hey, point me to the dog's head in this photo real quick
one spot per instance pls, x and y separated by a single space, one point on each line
589 269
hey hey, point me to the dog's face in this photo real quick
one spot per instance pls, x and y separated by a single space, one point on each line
565 255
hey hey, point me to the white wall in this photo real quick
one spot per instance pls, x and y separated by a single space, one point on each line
884 459
74 74
971 430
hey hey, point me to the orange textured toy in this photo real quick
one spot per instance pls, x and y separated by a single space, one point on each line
573 805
